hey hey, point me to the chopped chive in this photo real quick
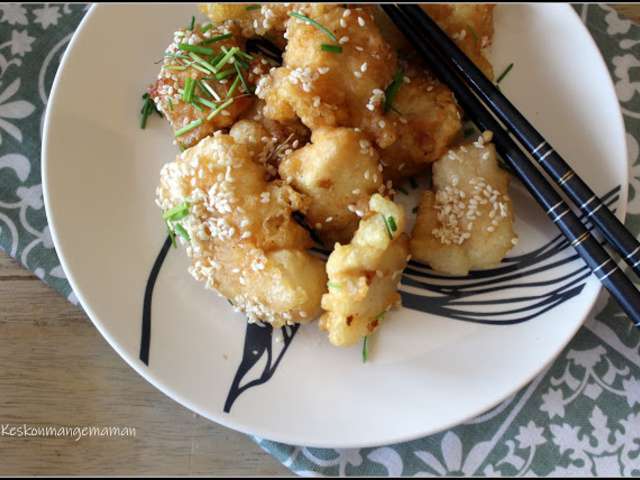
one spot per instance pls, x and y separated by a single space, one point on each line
225 58
401 189
209 89
177 213
200 68
244 82
365 349
221 107
182 232
193 23
252 7
189 86
224 74
331 48
176 67
217 38
189 127
170 103
337 286
233 86
172 235
311 21
177 55
473 34
392 90
195 48
207 27
145 112
202 61
242 63
504 74
390 223
413 182
206 102
245 55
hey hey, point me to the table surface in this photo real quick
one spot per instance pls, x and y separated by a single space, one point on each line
58 370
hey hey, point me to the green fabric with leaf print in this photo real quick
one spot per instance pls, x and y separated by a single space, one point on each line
579 417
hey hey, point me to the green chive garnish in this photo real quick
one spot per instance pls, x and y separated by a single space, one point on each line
337 286
331 48
392 90
473 34
390 223
311 21
200 68
209 89
245 55
182 232
225 58
195 48
189 87
172 235
224 74
177 213
193 23
252 7
244 82
148 107
189 127
217 38
170 103
365 349
221 107
233 86
175 67
207 27
202 61
504 74
206 102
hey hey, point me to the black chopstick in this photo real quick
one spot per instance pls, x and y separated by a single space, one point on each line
612 229
598 260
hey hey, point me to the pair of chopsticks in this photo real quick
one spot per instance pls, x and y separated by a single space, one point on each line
466 81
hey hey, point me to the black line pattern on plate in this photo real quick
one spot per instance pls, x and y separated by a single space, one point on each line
456 298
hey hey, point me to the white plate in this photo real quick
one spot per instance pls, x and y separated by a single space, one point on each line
427 372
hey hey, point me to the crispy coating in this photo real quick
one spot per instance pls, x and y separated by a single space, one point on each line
468 222
269 141
267 19
333 89
469 25
364 275
243 241
338 171
167 91
429 121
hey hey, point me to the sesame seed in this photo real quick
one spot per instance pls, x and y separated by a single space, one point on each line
361 21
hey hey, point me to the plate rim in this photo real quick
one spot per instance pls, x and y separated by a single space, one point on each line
230 421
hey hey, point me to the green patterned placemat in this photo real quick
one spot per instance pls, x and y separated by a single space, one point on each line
579 417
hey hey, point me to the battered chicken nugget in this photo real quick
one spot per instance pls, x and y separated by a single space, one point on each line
468 223
429 120
325 87
240 233
364 275
195 99
269 141
469 25
338 171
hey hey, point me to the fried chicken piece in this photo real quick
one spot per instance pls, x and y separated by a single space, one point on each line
364 275
338 172
328 89
468 222
429 120
469 25
194 120
242 239
268 140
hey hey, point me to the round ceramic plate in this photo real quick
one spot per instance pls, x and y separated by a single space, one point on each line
431 365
